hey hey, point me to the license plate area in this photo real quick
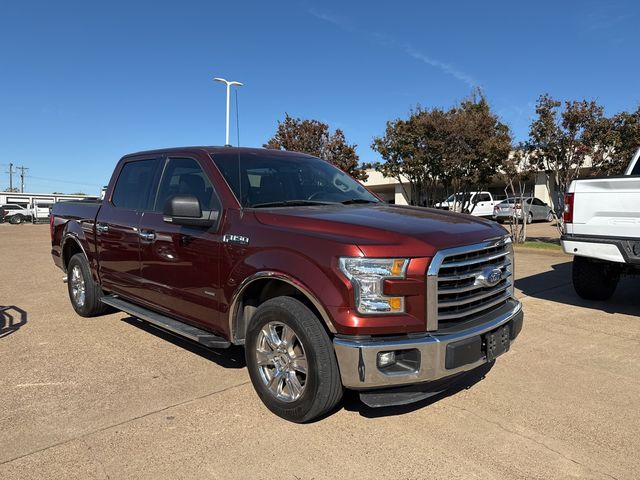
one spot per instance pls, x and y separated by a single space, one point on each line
497 342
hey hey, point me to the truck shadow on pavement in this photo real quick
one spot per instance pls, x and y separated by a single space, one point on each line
555 286
351 400
12 319
232 357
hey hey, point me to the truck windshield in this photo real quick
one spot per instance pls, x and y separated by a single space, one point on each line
260 180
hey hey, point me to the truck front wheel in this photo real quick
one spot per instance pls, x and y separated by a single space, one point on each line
84 293
593 279
291 361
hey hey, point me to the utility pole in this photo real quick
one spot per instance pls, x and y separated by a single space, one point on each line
11 172
22 169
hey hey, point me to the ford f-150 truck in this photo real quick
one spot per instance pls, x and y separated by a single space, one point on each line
602 231
326 286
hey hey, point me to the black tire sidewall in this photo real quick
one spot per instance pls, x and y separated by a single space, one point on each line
594 280
303 322
92 304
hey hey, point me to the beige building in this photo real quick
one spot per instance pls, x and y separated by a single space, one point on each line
393 192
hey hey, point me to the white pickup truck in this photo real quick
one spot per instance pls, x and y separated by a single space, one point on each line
602 231
479 204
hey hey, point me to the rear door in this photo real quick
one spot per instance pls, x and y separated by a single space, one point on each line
180 264
117 225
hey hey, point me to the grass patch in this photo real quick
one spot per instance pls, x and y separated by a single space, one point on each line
540 245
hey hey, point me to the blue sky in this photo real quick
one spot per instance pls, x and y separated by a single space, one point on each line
83 83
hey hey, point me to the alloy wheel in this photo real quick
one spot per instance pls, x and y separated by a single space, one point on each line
281 361
77 286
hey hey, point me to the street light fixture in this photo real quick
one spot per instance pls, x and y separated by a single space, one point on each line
228 84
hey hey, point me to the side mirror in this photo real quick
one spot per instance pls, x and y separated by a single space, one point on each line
186 210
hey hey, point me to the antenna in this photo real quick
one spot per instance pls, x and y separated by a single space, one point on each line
237 121
239 159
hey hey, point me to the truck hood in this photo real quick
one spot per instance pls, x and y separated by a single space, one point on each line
382 229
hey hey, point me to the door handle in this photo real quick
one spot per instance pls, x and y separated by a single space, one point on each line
147 235
102 228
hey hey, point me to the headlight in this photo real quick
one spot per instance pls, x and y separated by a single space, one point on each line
367 276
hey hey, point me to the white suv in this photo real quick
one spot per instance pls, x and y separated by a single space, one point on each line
15 214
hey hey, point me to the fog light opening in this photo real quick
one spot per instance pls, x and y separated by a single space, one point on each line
386 359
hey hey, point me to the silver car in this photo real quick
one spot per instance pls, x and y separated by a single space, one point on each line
534 209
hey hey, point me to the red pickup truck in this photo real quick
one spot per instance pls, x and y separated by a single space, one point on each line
326 286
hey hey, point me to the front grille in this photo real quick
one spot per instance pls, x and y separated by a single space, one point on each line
468 282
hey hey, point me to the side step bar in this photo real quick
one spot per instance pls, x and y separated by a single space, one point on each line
196 334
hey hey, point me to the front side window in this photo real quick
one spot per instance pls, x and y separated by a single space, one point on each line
261 180
184 176
134 185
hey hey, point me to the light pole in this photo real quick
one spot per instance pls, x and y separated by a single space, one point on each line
228 84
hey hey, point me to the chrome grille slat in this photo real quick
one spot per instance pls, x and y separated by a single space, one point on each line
500 300
459 278
465 300
462 276
473 261
447 290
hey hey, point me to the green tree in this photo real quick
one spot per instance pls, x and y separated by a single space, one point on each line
315 138
413 151
564 141
460 148
622 141
477 146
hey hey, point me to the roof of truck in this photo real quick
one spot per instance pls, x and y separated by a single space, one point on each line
217 150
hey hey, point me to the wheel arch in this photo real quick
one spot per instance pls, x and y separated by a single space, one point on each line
71 245
262 286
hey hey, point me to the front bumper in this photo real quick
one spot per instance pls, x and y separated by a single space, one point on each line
358 358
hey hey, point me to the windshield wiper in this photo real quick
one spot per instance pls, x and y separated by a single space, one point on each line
290 203
357 200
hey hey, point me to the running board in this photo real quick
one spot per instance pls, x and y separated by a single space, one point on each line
196 334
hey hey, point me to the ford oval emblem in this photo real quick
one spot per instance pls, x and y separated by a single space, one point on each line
489 277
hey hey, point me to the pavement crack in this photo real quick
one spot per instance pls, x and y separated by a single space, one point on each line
124 422
526 437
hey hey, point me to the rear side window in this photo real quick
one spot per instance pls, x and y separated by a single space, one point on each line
184 176
133 187
636 168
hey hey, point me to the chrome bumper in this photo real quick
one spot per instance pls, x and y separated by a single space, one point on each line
357 359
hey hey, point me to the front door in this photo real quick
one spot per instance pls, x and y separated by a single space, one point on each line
180 264
117 235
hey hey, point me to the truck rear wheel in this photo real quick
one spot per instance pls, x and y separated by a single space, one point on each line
84 293
593 279
291 361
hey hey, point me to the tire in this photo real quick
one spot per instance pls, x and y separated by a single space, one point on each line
550 216
593 279
84 293
16 219
281 367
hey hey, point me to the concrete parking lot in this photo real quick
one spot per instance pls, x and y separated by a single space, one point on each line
112 398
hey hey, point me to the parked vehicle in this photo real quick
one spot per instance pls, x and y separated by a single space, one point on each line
602 231
40 211
326 286
14 214
479 204
534 209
